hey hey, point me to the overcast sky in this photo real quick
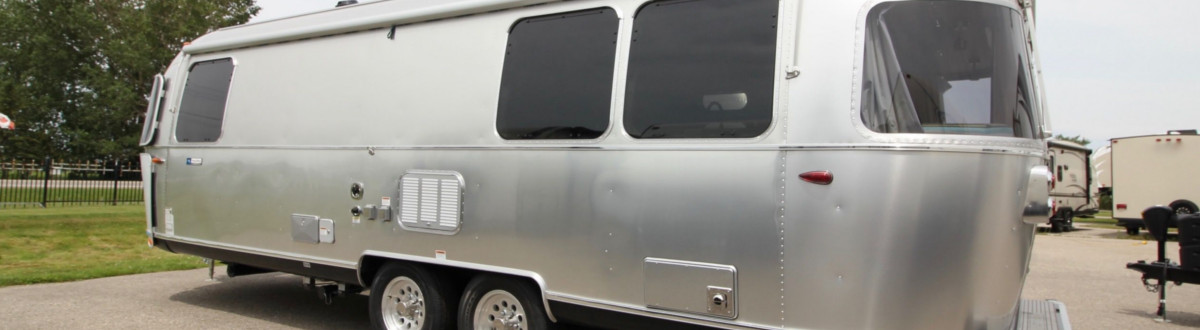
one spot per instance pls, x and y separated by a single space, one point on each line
1112 68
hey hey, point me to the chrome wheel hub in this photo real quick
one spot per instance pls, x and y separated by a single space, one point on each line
403 304
500 310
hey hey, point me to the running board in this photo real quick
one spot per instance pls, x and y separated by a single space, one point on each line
1042 314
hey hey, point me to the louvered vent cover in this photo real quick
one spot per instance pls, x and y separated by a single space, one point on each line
431 200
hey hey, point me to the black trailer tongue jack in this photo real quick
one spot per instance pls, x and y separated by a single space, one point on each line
1156 274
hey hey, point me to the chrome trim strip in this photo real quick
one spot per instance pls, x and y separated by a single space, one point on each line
263 252
1033 151
378 20
662 314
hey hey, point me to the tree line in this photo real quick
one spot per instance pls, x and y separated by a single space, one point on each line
75 74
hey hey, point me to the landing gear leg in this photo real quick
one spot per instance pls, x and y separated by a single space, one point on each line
211 265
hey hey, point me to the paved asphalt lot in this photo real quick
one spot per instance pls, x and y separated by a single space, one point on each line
1082 269
1086 270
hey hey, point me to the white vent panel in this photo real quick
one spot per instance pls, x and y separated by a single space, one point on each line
431 201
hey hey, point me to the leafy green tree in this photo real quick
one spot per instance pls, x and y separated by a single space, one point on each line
1078 139
74 74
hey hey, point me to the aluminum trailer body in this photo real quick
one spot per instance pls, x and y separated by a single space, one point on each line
800 164
1154 170
1071 191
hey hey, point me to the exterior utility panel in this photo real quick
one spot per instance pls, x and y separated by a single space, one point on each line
642 157
1154 170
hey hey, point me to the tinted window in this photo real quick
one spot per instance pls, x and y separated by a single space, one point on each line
203 106
558 76
946 67
702 69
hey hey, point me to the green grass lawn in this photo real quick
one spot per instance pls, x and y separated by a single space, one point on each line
75 243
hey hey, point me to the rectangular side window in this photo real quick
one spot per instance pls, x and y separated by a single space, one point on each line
702 69
202 109
558 76
967 75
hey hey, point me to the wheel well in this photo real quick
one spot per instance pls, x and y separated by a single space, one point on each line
1184 202
454 279
451 276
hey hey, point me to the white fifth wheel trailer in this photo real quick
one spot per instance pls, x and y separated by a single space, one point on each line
1154 170
1102 171
748 164
1071 188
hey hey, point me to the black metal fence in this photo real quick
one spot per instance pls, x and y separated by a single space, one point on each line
46 183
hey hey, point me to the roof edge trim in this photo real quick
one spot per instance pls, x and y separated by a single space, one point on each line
209 44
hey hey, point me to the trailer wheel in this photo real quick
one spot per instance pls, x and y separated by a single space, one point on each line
404 296
1068 220
1055 226
492 302
1133 230
1182 207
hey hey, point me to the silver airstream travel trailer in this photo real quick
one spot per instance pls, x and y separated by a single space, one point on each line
758 164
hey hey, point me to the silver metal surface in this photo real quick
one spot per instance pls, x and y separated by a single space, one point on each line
1038 204
1043 314
917 232
306 228
150 131
403 304
325 232
722 302
689 286
147 166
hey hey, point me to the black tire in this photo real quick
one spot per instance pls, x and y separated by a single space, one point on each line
1055 226
1133 230
512 299
1182 207
1068 222
418 301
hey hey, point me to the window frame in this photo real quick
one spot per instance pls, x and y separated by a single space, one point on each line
1038 115
784 52
158 98
618 54
183 92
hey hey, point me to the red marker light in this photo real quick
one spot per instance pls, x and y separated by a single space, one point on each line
818 177
157 160
1122 206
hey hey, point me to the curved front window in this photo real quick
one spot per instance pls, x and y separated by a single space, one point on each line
948 67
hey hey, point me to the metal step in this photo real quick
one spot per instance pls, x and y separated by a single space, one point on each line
1042 314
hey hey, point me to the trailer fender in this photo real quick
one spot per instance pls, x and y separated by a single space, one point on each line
371 260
